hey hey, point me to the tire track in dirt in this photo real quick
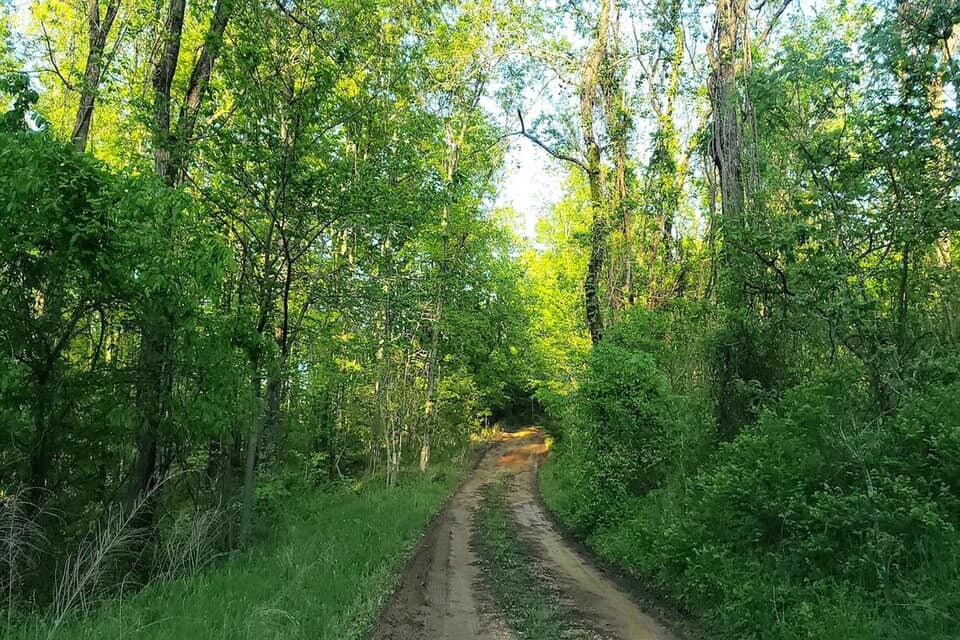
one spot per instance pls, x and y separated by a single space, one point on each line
602 605
440 595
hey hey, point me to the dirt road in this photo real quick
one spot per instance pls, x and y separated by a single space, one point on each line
440 596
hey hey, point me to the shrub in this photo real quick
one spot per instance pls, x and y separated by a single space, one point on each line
746 367
622 418
808 521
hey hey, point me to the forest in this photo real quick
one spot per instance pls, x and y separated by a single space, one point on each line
267 304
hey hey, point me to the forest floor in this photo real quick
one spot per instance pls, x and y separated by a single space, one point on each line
447 592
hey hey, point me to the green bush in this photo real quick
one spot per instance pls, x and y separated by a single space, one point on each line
746 367
623 418
826 518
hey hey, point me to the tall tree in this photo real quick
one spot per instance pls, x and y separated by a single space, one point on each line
667 168
729 53
172 152
98 31
590 79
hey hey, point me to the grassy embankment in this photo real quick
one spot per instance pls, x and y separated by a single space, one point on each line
324 571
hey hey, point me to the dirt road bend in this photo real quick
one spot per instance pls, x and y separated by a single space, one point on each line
440 596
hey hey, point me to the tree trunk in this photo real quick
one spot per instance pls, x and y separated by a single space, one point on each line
431 383
155 387
164 71
618 130
40 454
425 453
591 283
588 92
155 384
231 461
172 149
275 383
96 41
726 51
248 502
666 173
197 89
154 390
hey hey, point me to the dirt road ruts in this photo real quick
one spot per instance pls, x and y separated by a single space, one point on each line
440 595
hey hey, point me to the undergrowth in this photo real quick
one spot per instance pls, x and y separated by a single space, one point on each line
330 561
821 515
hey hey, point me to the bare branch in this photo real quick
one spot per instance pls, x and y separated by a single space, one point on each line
773 21
52 59
553 152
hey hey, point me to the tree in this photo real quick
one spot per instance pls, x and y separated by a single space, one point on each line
98 31
171 154
730 62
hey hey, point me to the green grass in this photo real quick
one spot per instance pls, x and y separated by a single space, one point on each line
554 489
532 608
324 573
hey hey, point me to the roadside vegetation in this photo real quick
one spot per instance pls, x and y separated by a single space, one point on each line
248 251
253 251
760 415
328 562
826 516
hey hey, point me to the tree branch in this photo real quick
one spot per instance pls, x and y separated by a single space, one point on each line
773 22
50 56
553 152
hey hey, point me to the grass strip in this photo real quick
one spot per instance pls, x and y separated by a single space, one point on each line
533 608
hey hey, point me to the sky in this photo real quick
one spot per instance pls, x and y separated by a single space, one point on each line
532 184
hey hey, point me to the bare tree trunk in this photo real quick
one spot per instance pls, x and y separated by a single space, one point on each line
154 387
392 441
432 357
164 70
231 452
172 148
383 390
43 402
197 89
275 382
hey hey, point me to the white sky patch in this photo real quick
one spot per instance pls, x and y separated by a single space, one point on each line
532 185
21 16
532 182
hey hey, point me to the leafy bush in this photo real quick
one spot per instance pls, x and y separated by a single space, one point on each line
807 522
623 418
746 365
